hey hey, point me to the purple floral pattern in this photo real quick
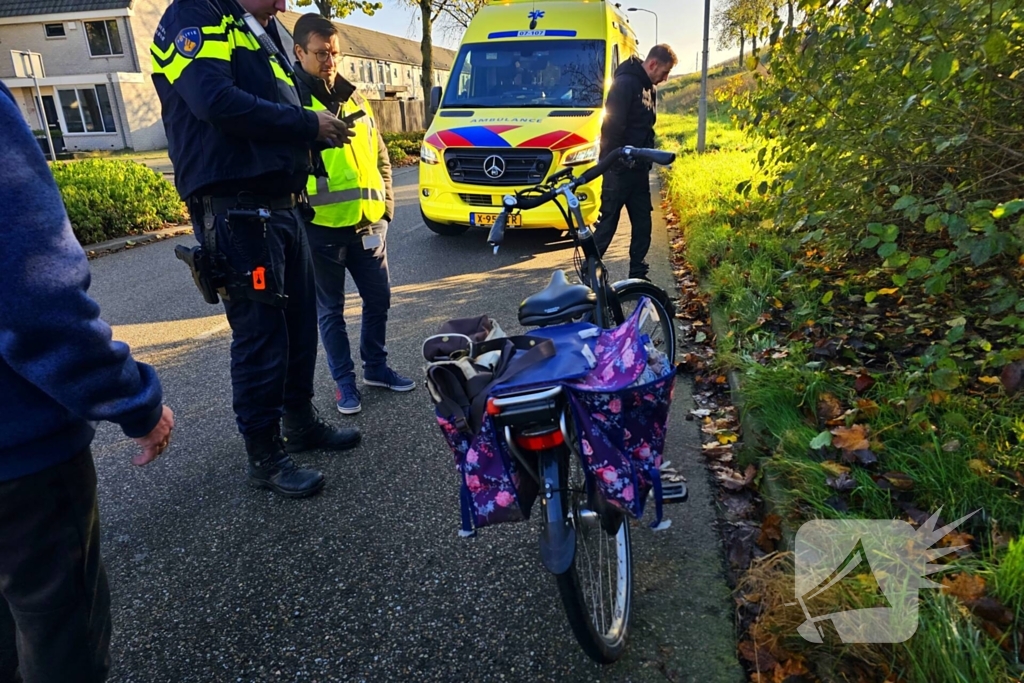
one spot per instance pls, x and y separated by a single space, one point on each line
489 475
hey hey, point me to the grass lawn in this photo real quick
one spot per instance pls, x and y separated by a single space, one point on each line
850 427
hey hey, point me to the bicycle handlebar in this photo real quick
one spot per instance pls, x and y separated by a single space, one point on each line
526 202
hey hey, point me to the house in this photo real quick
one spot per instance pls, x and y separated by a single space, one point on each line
96 89
382 66
95 80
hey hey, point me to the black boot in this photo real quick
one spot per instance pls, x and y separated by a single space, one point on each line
305 430
270 467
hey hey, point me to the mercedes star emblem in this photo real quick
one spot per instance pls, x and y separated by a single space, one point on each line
494 166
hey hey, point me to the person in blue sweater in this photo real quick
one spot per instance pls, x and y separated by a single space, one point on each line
60 373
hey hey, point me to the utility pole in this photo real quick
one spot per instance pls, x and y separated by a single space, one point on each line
702 107
29 60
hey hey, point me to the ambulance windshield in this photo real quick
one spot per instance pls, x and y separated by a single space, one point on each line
530 73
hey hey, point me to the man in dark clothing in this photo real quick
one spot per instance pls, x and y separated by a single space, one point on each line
631 114
60 373
240 144
354 202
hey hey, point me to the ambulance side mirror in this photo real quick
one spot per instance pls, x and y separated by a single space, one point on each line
435 99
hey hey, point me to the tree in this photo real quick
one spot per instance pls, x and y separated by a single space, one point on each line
457 13
339 9
729 29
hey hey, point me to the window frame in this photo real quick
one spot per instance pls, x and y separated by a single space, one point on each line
58 102
106 31
63 31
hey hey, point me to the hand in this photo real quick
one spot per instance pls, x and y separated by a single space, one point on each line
156 442
333 129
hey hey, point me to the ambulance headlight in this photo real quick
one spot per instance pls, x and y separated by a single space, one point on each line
428 154
581 155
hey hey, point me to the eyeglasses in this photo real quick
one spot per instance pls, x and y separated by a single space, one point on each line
322 55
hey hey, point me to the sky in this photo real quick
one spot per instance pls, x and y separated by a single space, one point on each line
680 24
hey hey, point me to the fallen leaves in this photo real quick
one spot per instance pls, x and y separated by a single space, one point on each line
851 438
964 586
734 481
1012 375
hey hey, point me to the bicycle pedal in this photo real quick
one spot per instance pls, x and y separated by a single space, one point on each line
674 492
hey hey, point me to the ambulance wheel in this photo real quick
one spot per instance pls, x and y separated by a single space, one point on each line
444 228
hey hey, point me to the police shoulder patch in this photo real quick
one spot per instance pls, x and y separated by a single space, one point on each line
189 41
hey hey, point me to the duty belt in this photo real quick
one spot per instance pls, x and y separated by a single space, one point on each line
220 205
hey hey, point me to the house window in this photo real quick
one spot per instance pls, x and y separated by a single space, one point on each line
104 38
352 68
87 110
54 30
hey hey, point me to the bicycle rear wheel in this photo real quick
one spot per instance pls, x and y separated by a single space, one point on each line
597 589
660 328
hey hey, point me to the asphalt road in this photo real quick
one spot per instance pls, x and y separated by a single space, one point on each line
369 581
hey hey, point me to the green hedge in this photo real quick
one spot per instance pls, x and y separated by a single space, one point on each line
109 198
406 143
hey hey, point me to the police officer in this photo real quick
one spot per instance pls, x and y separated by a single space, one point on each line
353 200
631 114
240 144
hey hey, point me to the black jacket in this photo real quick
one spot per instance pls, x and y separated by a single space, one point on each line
333 99
631 109
233 120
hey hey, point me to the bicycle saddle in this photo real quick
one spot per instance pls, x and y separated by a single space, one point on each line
559 302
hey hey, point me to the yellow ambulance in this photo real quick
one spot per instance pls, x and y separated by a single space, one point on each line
525 100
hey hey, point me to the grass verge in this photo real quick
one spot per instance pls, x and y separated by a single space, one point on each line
852 431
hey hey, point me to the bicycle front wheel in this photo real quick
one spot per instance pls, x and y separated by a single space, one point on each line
660 326
597 589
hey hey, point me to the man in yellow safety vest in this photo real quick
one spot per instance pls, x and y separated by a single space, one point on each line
352 196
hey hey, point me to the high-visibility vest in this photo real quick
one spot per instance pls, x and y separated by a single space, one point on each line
353 192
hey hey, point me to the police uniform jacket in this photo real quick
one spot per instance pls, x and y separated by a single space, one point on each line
233 118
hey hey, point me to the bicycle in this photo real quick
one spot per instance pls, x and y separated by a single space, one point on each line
585 541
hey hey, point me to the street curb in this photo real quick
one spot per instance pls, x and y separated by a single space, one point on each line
131 241
752 435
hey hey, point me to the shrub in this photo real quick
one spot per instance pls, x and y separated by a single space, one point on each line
108 198
407 143
396 152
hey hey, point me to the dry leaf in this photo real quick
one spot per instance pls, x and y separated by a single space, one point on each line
989 380
771 531
979 467
725 438
834 468
899 480
991 609
850 438
888 290
758 656
867 407
955 538
951 446
844 482
791 668
863 383
1011 376
964 586
829 407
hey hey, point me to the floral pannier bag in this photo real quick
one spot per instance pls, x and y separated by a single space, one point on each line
620 389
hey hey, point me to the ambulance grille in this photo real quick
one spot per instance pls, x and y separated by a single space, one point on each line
521 166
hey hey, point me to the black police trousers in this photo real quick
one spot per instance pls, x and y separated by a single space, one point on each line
630 188
273 349
54 598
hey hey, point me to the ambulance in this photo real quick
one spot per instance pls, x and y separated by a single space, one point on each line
524 101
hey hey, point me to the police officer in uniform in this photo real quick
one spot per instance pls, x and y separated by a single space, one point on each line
631 107
353 199
240 144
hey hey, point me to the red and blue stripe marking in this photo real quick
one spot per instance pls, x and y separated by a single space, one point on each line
491 136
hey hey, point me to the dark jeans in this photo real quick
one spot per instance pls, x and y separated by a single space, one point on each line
630 188
273 350
334 251
55 606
